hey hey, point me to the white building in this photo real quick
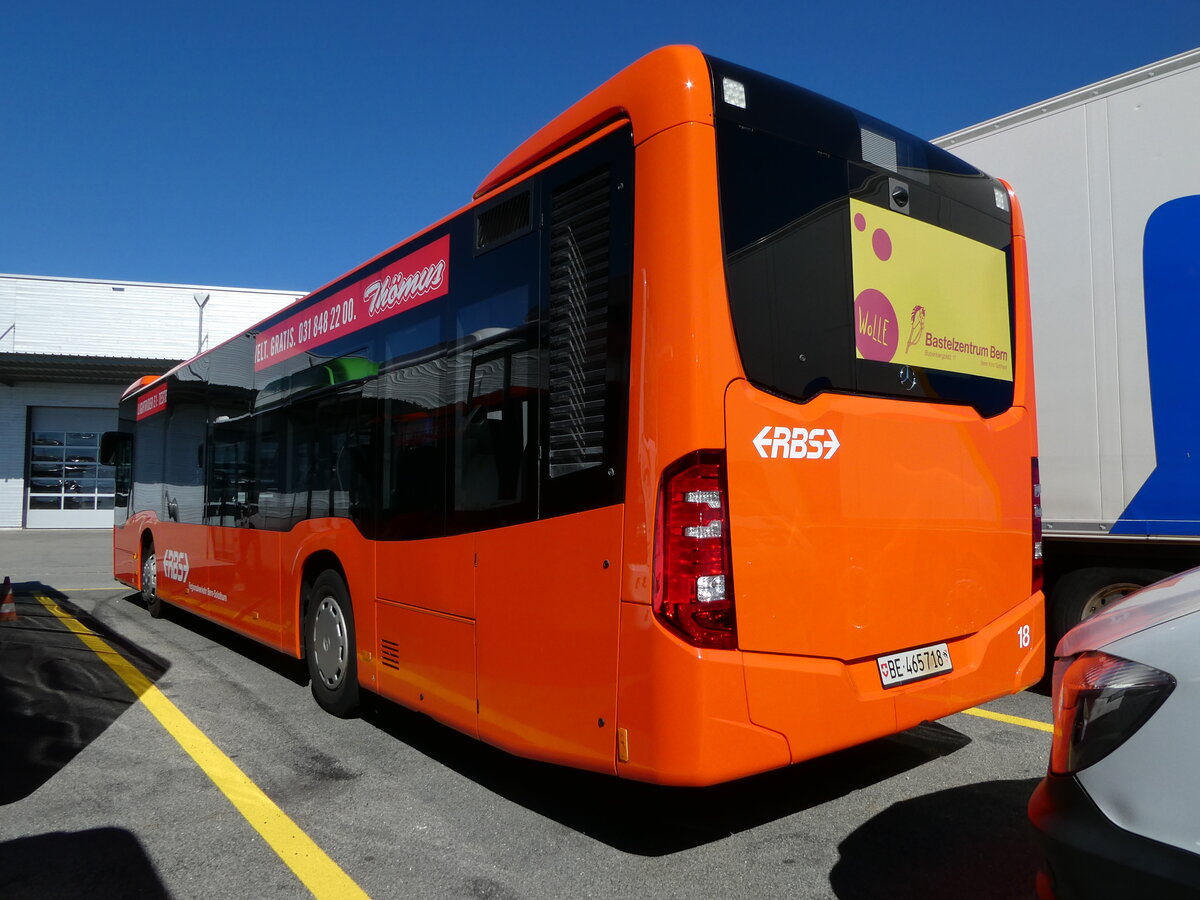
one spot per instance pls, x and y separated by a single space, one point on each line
68 349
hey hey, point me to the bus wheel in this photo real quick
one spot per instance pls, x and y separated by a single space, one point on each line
1081 594
329 645
154 604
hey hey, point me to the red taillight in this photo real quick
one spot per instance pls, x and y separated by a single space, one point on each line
1039 569
693 578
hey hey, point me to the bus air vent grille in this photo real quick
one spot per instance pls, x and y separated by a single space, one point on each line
389 653
506 220
579 309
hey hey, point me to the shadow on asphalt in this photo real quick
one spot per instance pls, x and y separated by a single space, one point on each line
100 864
649 820
280 663
56 695
937 844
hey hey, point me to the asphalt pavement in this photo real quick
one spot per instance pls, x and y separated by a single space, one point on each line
62 559
100 796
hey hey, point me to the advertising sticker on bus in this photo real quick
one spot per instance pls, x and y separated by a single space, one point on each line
928 297
417 278
151 403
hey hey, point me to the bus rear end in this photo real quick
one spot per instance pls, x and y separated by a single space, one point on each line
856 549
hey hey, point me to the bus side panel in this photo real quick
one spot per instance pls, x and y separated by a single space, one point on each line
182 558
548 598
436 574
230 575
240 583
424 611
427 663
683 711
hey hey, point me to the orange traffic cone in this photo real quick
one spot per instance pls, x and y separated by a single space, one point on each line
8 606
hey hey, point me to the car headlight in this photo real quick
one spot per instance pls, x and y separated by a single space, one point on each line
1100 701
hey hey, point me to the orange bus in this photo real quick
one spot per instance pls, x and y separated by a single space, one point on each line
700 443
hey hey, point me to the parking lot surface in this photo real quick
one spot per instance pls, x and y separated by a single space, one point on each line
124 741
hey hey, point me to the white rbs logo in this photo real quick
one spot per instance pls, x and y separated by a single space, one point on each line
778 441
175 565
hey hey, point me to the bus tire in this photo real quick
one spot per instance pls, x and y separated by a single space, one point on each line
154 604
1081 594
329 645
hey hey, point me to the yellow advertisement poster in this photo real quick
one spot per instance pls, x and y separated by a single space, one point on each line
928 297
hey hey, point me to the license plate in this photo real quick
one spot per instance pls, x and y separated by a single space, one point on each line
913 665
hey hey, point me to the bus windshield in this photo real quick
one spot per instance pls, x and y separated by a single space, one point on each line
858 258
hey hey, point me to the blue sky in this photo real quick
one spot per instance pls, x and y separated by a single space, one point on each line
277 145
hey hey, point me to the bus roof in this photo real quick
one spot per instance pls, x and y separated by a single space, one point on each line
667 87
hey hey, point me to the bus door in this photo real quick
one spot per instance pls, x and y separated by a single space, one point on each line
239 581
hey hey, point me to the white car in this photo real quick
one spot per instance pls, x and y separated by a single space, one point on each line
1118 814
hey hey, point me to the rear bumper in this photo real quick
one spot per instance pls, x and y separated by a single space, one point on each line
1084 855
789 694
696 717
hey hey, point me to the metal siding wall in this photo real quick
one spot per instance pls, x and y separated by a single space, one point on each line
127 319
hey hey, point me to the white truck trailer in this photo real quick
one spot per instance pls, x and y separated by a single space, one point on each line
1109 180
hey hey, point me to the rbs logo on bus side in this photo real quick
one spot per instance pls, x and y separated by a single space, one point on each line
796 443
175 565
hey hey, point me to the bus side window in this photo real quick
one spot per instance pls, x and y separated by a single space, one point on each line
301 427
229 483
410 396
352 469
340 466
147 492
495 408
270 471
183 475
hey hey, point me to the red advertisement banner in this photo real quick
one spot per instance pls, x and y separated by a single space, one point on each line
407 283
151 403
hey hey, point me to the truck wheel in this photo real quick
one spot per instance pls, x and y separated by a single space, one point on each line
154 604
1081 594
329 645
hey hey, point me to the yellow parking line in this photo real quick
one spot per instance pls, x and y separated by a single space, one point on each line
320 874
1011 720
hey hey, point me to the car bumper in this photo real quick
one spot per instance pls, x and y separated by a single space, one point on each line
1084 855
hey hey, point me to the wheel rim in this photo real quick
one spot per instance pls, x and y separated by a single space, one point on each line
149 576
1105 596
330 642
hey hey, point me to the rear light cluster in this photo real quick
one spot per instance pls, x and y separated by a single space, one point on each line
1039 567
1099 702
693 578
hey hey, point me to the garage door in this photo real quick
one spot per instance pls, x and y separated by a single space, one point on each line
66 486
